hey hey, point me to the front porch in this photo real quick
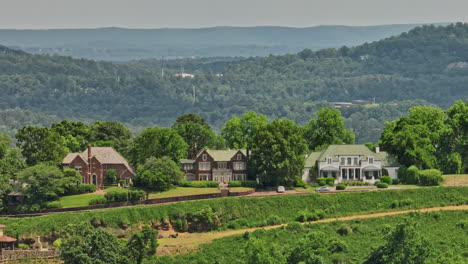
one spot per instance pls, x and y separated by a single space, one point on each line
367 174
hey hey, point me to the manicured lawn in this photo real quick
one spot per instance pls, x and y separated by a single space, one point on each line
83 199
78 200
455 179
183 191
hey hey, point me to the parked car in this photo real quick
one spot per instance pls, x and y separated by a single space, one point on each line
280 189
323 189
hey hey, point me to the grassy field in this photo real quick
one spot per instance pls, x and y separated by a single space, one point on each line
78 200
246 212
455 180
446 232
183 191
83 199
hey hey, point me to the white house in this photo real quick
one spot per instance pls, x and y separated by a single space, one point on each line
350 163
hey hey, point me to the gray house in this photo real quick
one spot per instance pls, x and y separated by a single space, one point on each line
350 163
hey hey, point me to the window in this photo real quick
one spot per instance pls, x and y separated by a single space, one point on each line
78 168
349 161
83 180
204 157
239 165
356 161
342 161
239 177
239 156
188 166
371 160
204 177
204 166
222 165
329 160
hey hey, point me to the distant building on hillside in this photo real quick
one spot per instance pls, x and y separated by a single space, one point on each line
6 242
184 75
350 163
217 165
94 162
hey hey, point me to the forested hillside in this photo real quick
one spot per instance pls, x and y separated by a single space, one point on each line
428 63
121 44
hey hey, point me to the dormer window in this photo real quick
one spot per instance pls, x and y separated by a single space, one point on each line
329 160
371 160
204 157
239 156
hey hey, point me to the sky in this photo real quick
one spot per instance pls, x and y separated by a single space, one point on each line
44 14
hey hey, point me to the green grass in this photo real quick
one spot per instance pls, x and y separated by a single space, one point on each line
236 213
78 200
444 230
455 179
182 191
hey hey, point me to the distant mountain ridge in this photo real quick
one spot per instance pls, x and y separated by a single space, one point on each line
121 44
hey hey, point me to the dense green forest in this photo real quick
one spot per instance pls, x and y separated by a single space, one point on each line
428 63
122 44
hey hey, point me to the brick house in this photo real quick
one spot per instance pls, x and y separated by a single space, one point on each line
217 165
94 162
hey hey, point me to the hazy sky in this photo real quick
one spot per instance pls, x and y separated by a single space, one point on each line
205 13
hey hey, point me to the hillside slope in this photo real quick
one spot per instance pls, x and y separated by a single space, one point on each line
118 44
428 63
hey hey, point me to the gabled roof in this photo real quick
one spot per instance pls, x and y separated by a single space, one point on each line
71 156
334 151
224 155
105 155
7 239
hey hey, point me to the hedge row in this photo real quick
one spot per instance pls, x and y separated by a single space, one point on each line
241 212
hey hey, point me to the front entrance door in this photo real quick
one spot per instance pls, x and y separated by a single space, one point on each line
94 179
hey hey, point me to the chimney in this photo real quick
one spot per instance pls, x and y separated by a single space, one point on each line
89 162
377 149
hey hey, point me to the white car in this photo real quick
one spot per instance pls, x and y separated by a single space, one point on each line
323 189
280 189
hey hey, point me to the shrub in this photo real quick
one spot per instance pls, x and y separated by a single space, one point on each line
306 215
340 186
330 181
412 175
124 196
337 245
381 185
251 184
300 183
235 184
122 182
199 184
395 181
23 246
322 183
344 230
100 200
54 204
386 179
274 220
430 177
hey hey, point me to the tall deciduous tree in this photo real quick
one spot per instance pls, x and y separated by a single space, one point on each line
158 142
327 129
40 144
159 174
196 133
77 134
239 132
43 183
142 244
278 153
111 134
83 244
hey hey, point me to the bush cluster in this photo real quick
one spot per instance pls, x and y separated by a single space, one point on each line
79 189
381 185
100 200
300 183
124 196
386 179
199 184
430 177
402 203
340 186
306 215
53 204
355 183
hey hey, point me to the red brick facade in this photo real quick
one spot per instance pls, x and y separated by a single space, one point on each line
93 166
217 165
